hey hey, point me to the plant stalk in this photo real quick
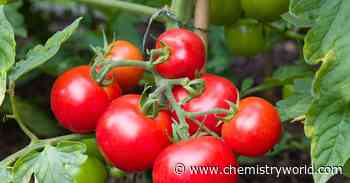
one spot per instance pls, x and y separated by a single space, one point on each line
16 115
123 5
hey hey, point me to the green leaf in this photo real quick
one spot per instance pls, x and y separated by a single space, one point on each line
40 54
304 13
328 44
2 86
53 164
37 120
247 84
346 169
7 51
5 175
287 74
297 104
328 128
15 18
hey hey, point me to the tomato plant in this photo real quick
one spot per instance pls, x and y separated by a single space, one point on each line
187 54
78 101
217 93
185 111
268 10
128 138
225 12
174 163
245 37
255 128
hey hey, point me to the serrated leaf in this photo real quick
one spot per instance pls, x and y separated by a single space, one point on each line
53 164
7 51
40 54
327 121
15 18
304 13
328 128
297 104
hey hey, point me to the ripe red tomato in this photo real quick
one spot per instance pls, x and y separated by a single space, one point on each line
255 128
187 54
130 140
176 163
78 101
217 91
126 77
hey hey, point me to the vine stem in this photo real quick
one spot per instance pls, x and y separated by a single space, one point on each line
288 33
16 115
202 126
183 126
123 5
39 144
212 111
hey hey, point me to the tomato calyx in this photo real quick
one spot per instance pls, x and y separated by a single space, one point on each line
195 87
160 55
230 112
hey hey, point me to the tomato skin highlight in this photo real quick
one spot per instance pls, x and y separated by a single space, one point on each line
224 12
91 171
255 128
77 101
201 152
130 140
187 54
217 91
126 77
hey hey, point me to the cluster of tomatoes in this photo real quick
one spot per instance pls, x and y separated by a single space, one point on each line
245 33
133 142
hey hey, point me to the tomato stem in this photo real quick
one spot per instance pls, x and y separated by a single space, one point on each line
202 126
183 128
123 5
212 111
16 115
287 33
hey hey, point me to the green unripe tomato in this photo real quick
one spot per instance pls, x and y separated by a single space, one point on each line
245 37
92 149
224 12
265 10
92 171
